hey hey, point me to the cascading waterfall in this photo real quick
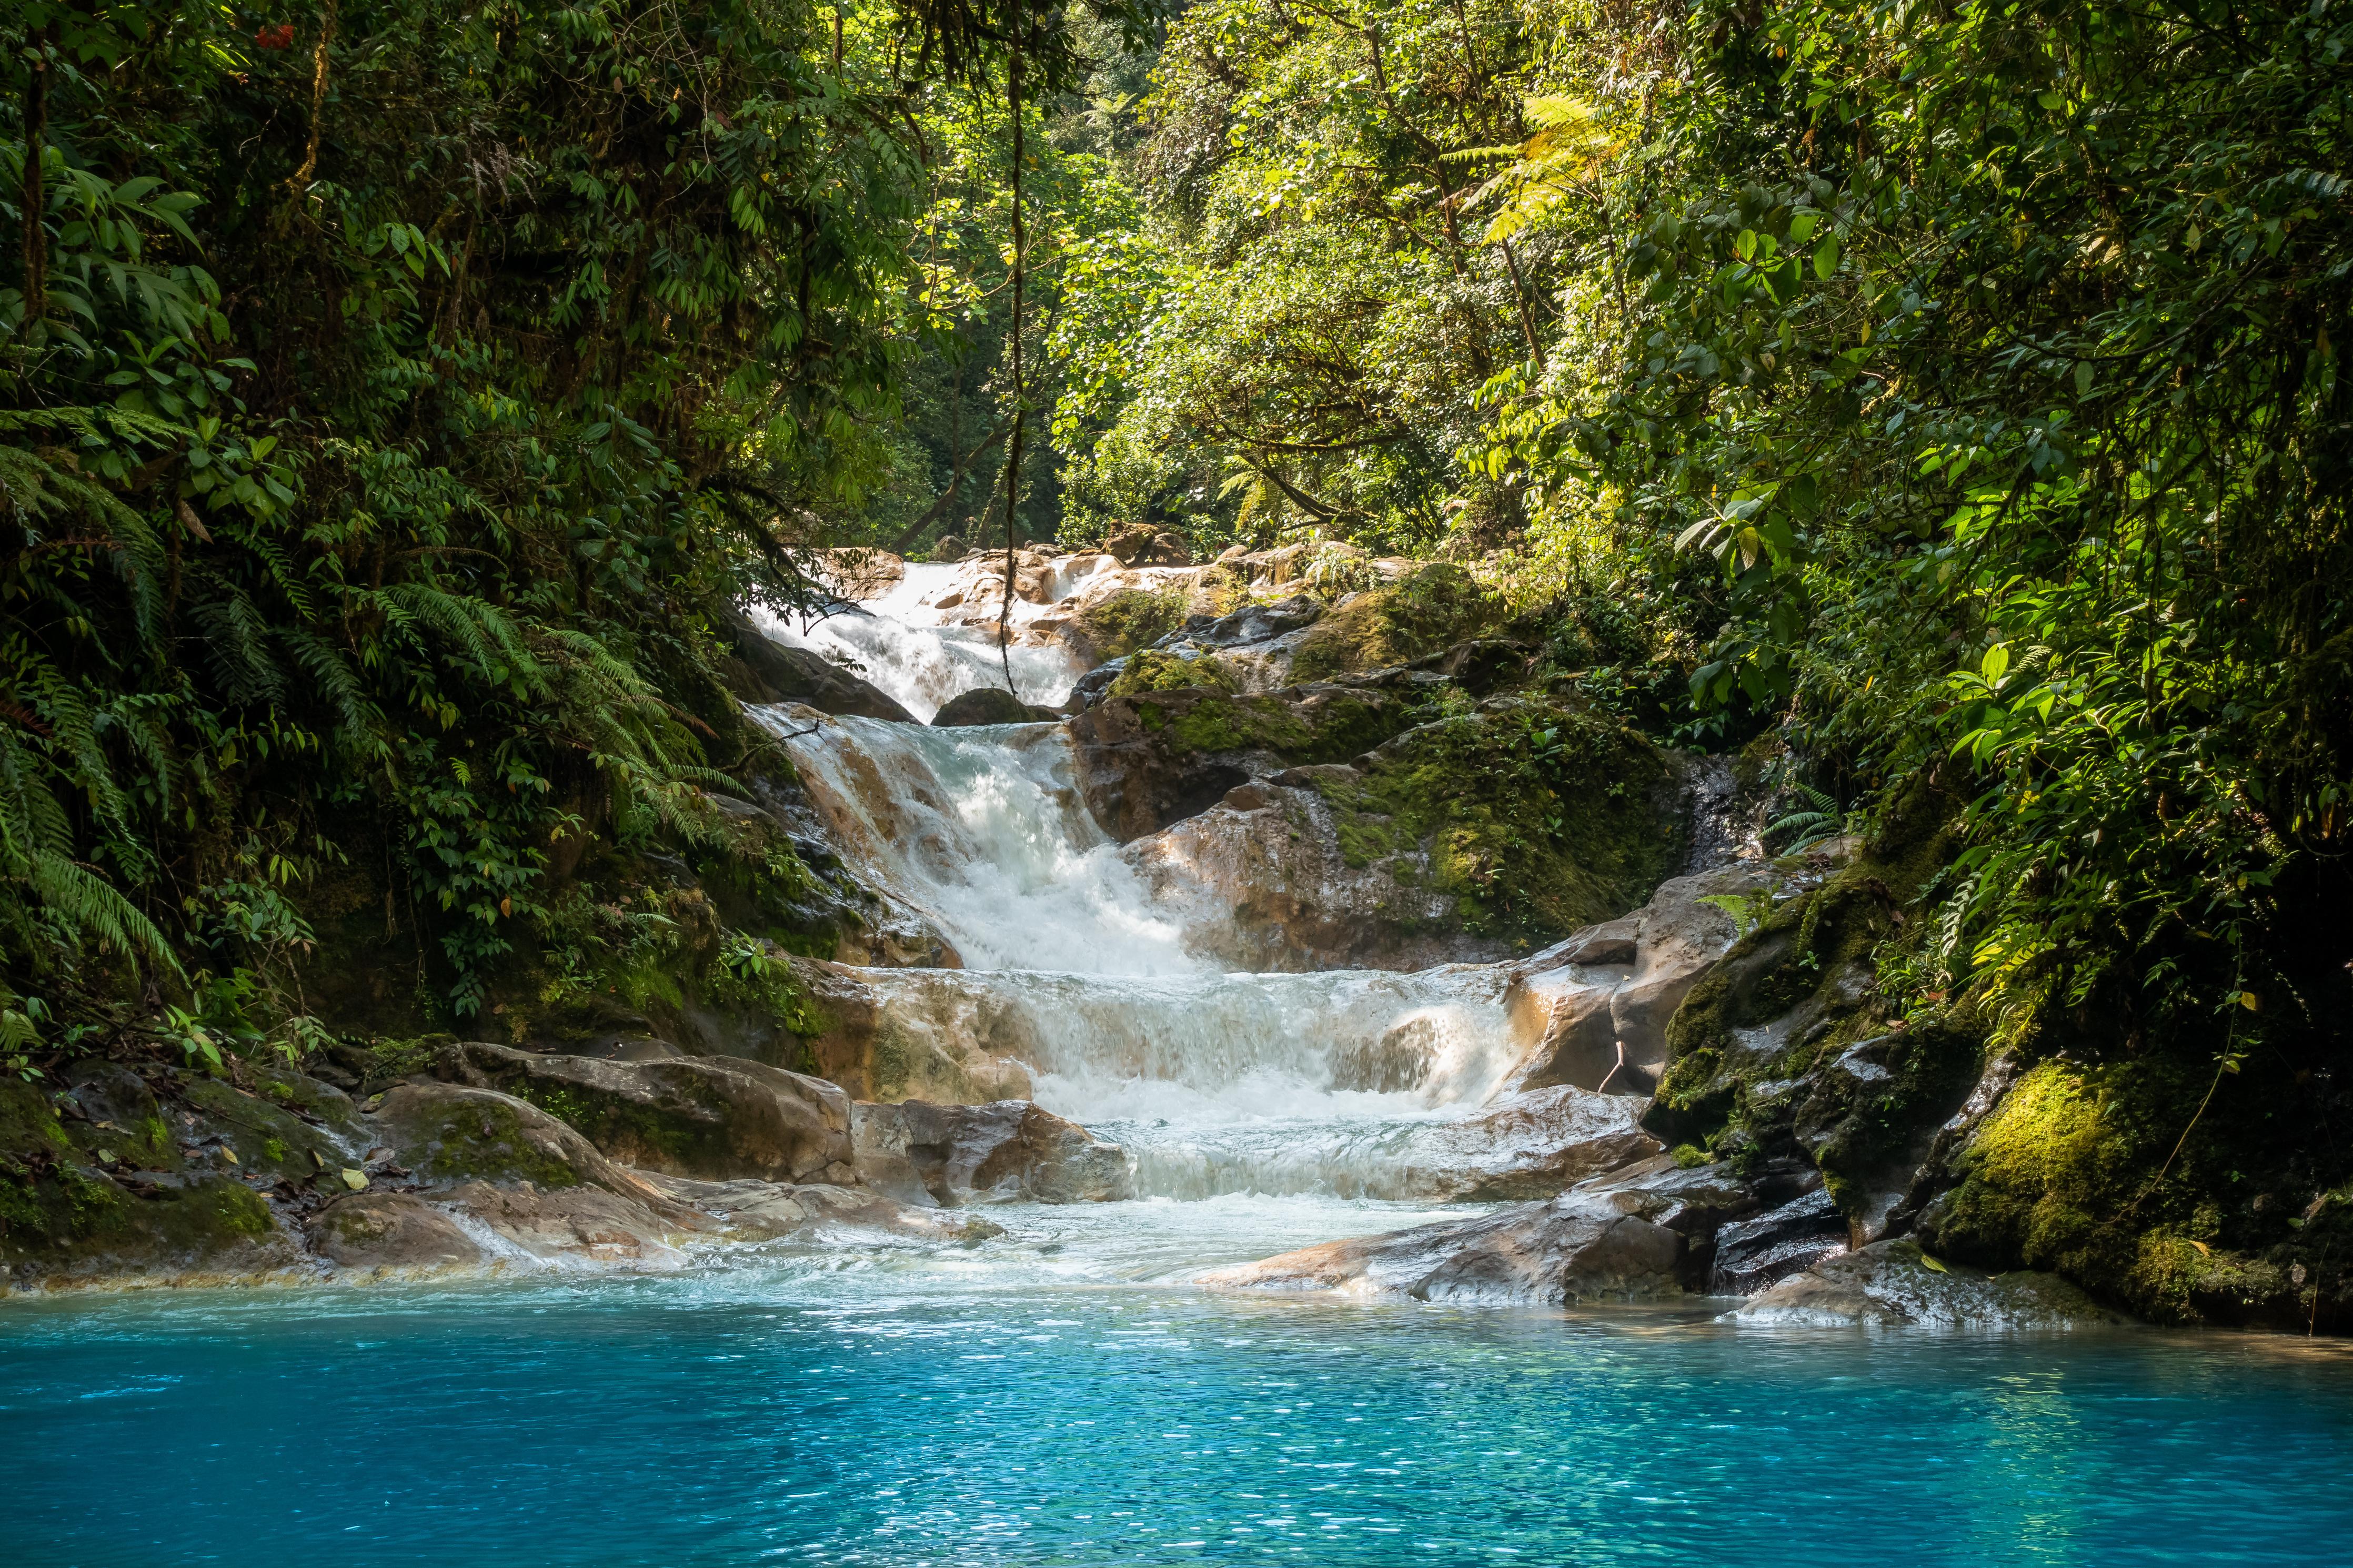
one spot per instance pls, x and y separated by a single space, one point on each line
1217 1083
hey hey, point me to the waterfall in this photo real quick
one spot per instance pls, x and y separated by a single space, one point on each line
933 636
1217 1083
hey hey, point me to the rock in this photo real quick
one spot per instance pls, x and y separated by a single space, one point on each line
860 571
1147 546
1265 879
1752 1254
982 705
1250 624
1893 1283
1481 664
1681 937
875 1056
1579 1246
798 675
1002 1152
713 1117
949 547
769 1211
572 1227
1530 1146
449 1134
391 1233
1612 943
1577 1043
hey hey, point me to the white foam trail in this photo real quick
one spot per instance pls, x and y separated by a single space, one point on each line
922 652
982 831
1224 1083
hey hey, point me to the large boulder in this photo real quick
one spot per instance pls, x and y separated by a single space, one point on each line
713 1117
392 1234
766 1211
784 674
1579 1246
1007 1152
1894 1284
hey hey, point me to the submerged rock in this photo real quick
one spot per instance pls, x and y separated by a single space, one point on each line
1002 1152
1893 1284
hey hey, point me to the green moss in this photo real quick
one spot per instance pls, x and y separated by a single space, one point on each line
266 1138
1154 670
485 1140
1119 623
1538 820
1429 609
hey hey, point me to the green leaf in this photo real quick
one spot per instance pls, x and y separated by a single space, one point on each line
1826 259
1744 245
1995 664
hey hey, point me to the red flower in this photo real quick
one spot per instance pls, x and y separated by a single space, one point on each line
280 37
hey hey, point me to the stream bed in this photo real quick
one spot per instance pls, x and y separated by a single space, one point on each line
1046 1399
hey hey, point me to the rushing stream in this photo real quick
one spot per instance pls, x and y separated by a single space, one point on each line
1061 1394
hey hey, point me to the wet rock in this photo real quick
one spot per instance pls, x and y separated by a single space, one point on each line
1752 1254
1576 1041
1681 937
982 705
1894 1284
392 1233
581 1226
1578 1247
1249 625
1527 1146
771 1211
1264 879
713 1117
1007 1152
874 1055
798 675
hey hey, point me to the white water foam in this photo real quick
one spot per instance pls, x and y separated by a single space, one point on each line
922 651
1219 1084
982 830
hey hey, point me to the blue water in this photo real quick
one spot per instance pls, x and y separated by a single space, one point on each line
805 1412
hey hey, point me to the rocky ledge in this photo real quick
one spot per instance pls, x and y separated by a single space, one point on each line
484 1160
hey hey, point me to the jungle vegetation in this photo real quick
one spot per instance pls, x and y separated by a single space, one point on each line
1942 394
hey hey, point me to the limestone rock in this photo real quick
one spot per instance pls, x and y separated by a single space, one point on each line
576 1226
1146 546
1579 1246
1007 1152
449 1134
1681 937
391 1233
1892 1284
797 675
1569 1011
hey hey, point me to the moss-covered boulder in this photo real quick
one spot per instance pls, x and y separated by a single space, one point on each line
1425 611
716 1118
1156 757
1536 820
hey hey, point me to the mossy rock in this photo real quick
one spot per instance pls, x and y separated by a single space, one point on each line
1154 670
1539 820
716 1118
447 1133
268 1139
1428 610
1118 624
